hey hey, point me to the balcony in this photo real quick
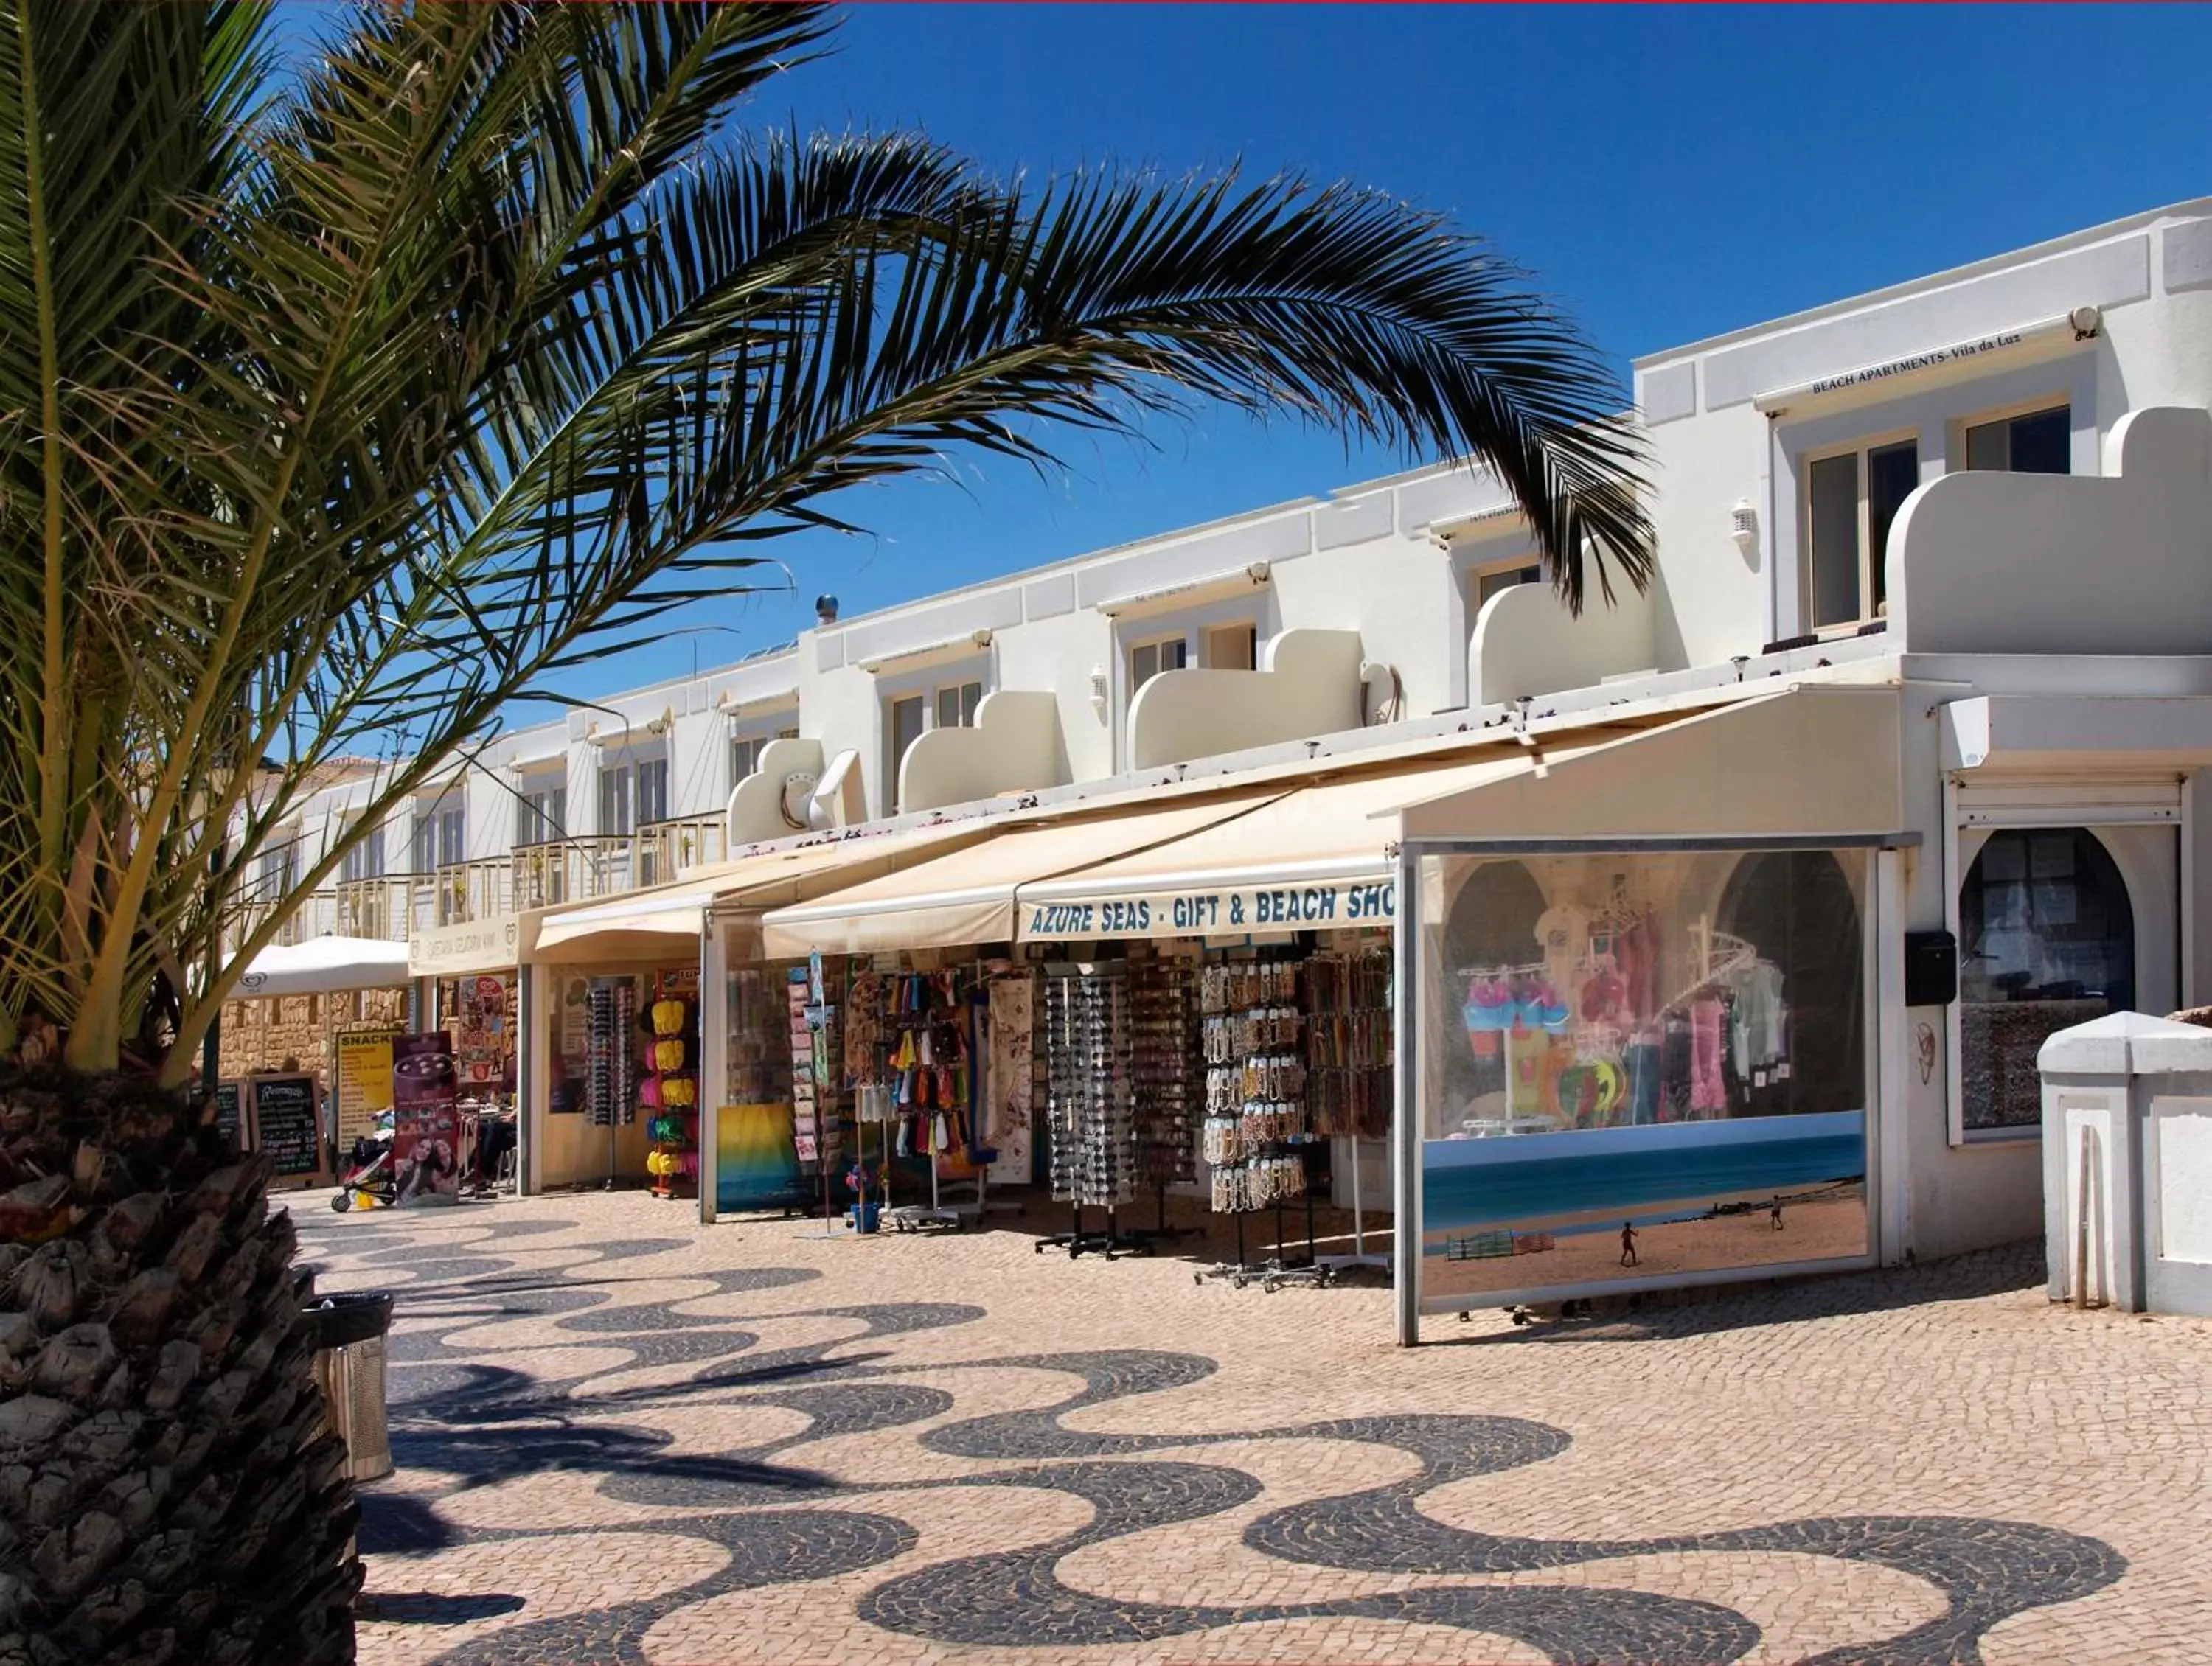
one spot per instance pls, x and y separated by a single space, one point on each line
315 915
382 908
464 890
575 870
680 843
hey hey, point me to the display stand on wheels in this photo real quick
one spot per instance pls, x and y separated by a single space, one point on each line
1256 1126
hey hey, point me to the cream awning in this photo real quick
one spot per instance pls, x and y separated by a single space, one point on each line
1317 857
967 895
1821 760
658 919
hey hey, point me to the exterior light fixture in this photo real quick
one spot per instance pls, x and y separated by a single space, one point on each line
1258 572
1743 527
1099 691
982 638
2087 322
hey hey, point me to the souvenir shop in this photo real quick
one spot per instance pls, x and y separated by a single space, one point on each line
1642 983
1156 1028
660 1050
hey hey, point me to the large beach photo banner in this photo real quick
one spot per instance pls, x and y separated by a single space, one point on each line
1639 1067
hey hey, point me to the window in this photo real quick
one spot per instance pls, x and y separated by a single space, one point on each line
541 815
1232 648
745 752
365 859
1489 581
2037 443
616 808
280 866
906 715
440 833
957 703
1852 498
652 790
1148 659
2046 939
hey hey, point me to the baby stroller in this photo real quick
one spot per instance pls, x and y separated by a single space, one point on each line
371 1183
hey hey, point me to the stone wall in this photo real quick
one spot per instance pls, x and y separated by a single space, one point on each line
262 1035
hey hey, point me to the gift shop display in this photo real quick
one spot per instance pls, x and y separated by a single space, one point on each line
668 1090
756 1164
1615 1091
1167 1078
1350 1058
923 1068
1089 1104
1257 1136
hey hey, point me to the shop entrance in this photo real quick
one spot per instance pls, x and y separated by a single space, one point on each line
2058 925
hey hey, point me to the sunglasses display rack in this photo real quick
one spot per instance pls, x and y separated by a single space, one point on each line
1089 1104
1350 1053
1251 1029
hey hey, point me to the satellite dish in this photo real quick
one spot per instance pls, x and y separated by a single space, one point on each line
798 794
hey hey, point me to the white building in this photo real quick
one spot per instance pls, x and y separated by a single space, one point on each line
1983 498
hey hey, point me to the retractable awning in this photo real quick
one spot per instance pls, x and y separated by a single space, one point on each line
1814 760
1315 858
654 921
967 895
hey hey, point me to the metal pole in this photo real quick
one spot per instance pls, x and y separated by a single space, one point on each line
1407 1127
211 1043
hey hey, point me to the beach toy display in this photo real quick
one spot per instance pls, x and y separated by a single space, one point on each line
672 1092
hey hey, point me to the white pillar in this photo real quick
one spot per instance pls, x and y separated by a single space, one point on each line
713 1053
1406 1125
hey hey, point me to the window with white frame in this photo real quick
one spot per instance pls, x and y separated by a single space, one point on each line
617 802
1487 580
2029 442
279 868
652 790
1148 659
957 703
904 719
441 833
364 859
1851 498
745 752
541 813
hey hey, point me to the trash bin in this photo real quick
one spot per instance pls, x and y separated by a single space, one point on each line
352 1346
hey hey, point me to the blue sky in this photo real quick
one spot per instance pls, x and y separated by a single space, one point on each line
1670 172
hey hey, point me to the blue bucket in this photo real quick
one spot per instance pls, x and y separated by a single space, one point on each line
864 1217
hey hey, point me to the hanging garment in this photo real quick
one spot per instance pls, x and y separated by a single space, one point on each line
1708 1093
1762 1018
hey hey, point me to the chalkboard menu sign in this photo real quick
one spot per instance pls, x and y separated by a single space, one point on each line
288 1124
230 1113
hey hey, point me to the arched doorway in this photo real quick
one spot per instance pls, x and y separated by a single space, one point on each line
1796 908
2046 939
1491 922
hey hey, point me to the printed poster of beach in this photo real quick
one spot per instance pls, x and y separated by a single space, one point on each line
1538 1211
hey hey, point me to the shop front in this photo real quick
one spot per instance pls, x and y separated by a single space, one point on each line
1650 1024
659 1046
947 1035
471 969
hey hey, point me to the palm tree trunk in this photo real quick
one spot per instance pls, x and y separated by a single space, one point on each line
170 1490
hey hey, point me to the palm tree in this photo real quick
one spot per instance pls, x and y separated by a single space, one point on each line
343 402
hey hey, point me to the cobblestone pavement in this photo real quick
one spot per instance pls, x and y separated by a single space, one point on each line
627 1440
